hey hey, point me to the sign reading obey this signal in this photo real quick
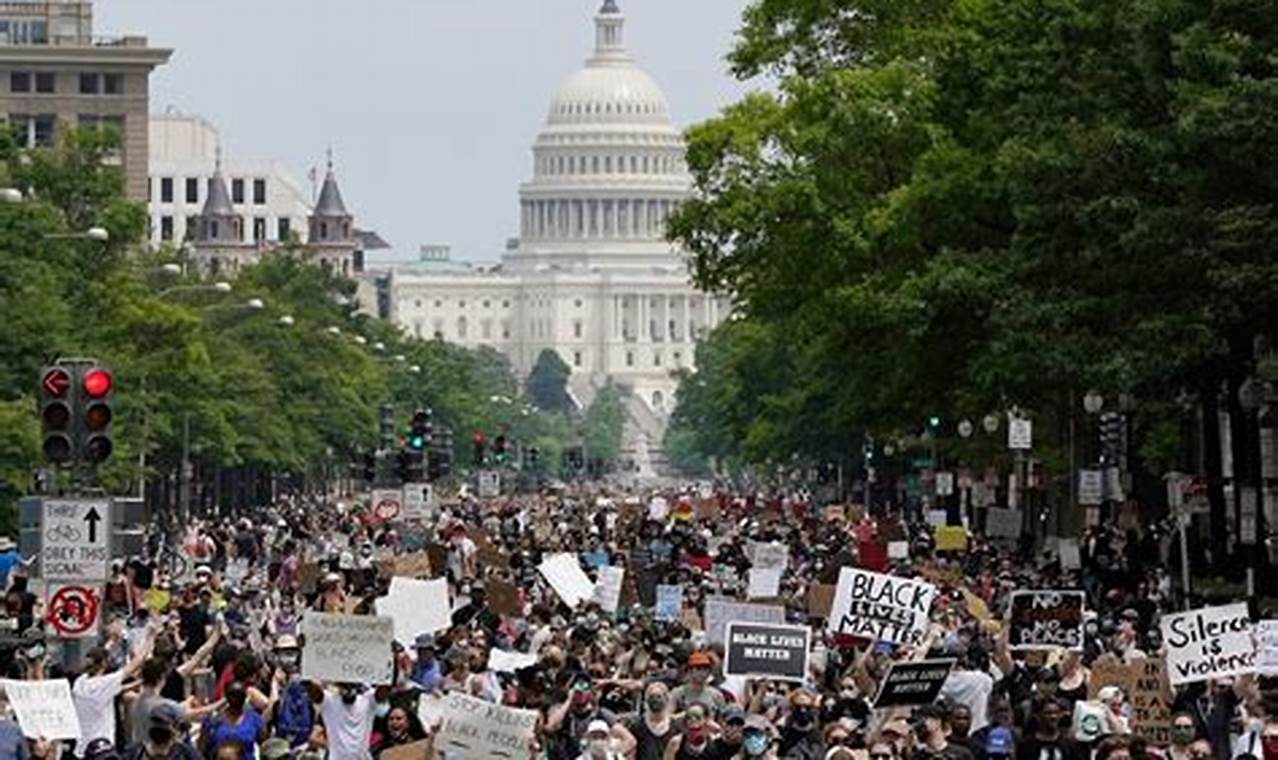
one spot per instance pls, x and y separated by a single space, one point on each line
76 539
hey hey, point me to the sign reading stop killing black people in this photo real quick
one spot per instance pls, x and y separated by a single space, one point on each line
1210 642
880 607
760 650
1046 620
913 683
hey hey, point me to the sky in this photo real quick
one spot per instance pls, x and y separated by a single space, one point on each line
431 106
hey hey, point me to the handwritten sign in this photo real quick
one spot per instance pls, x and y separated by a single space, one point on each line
880 607
669 603
347 648
950 538
473 728
720 611
1267 648
567 578
415 565
765 583
1046 619
607 592
500 661
1144 682
43 708
417 607
418 750
1209 642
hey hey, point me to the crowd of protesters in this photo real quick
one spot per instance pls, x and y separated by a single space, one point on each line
199 653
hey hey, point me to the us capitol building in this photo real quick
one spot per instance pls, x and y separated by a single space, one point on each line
590 275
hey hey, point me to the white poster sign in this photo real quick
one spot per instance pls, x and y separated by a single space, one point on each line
1091 487
43 708
1209 642
1267 648
1020 433
765 583
1071 558
417 607
769 554
566 577
944 483
473 728
607 592
938 518
669 603
880 607
898 549
500 661
721 610
348 648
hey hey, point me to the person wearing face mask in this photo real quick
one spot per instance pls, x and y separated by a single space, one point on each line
165 738
566 723
800 734
693 743
756 740
597 743
1183 733
296 716
348 712
94 692
650 730
697 689
235 722
933 736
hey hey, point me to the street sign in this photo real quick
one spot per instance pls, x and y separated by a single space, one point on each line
76 537
1020 434
489 484
1091 487
944 483
417 501
387 504
74 610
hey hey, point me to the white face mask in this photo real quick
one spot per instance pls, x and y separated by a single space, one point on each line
598 747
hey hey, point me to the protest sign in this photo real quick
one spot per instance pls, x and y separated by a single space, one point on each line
503 598
913 683
438 554
721 610
669 603
820 599
898 550
607 591
418 750
1002 523
1267 648
880 607
756 650
835 513
938 518
1144 683
1209 642
416 565
768 554
1046 619
308 575
1089 721
347 648
43 708
707 509
765 583
1071 559
417 607
950 538
567 578
500 661
473 728
976 606
491 556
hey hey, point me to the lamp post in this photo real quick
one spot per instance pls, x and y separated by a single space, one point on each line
1252 395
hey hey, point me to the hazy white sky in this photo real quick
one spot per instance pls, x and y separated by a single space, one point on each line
431 105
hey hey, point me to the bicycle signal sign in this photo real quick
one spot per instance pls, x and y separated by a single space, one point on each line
75 540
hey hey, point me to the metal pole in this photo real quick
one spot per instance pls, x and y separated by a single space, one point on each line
184 492
1073 466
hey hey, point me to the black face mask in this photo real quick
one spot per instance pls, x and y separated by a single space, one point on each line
802 716
349 696
160 736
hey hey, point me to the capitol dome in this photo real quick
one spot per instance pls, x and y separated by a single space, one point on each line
609 166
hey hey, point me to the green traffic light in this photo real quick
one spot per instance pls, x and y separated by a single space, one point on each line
934 421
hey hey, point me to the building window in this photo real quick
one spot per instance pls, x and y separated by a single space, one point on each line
417 303
237 191
576 358
417 329
19 81
577 303
259 191
630 358
678 359
166 190
166 228
438 330
259 229
113 84
461 304
44 81
323 230
192 190
214 229
487 304
284 229
656 359
89 84
576 329
505 304
438 304
505 330
192 223
461 328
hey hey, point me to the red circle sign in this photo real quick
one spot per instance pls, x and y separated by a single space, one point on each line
386 509
73 610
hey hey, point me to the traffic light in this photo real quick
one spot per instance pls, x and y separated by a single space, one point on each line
403 465
534 457
386 425
499 449
934 423
56 394
478 440
96 414
1113 438
419 434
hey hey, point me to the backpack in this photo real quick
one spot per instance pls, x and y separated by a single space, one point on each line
294 719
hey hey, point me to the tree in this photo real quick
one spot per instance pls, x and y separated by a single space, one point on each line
548 382
603 424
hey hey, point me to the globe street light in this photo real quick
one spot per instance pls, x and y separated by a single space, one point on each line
965 428
286 320
1093 402
990 423
256 304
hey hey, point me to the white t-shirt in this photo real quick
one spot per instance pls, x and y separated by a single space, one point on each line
971 688
348 726
94 699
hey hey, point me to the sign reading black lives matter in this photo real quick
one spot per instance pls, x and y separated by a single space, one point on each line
880 607
913 683
1046 620
760 650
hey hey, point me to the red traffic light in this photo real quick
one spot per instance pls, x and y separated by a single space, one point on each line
97 383
55 382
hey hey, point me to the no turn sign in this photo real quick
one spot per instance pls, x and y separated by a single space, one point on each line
74 610
387 504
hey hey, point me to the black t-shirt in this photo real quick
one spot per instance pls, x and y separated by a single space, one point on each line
951 752
648 745
174 687
194 623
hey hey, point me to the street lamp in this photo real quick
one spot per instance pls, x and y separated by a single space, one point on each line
379 346
415 369
217 287
1093 402
965 428
256 304
990 423
286 320
171 269
10 195
99 234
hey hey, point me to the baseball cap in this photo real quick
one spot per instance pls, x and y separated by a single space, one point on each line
100 749
999 742
698 660
424 641
598 727
275 748
731 714
757 723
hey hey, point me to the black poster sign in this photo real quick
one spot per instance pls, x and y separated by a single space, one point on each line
913 683
762 650
1046 619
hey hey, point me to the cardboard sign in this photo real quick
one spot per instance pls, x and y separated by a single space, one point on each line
417 607
950 538
1071 558
913 683
755 650
976 606
669 603
347 648
418 750
706 509
720 611
765 583
1046 619
491 556
567 578
1267 648
503 598
473 728
416 565
820 599
308 575
1210 642
1144 683
880 607
1002 523
438 554
607 592
43 708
